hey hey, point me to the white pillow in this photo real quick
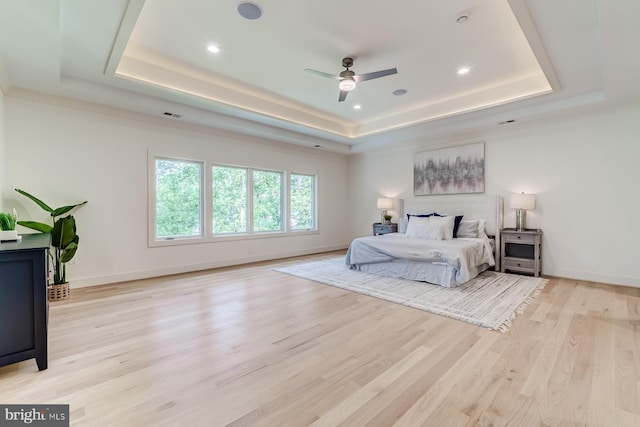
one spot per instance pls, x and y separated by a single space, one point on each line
446 223
482 233
421 228
474 228
468 228
431 228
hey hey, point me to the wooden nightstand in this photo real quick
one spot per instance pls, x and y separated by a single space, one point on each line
521 251
379 229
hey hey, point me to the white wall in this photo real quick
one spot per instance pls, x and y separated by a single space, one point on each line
584 170
65 152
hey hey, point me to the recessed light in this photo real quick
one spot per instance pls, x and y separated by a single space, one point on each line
399 92
463 70
357 107
213 48
249 10
462 18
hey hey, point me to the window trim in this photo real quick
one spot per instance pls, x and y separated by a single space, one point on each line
206 207
314 201
283 202
247 204
151 199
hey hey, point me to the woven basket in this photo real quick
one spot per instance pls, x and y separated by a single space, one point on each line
59 292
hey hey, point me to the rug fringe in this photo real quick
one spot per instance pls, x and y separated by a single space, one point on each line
507 323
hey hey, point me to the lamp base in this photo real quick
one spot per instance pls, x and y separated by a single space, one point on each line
520 219
383 212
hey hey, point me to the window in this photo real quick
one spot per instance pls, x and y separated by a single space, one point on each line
302 198
267 201
178 198
193 201
229 199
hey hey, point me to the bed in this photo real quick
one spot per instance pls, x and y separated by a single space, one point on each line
420 251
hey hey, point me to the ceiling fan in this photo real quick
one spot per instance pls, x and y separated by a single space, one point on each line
348 79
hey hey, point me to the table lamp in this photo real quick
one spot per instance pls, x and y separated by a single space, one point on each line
521 203
384 204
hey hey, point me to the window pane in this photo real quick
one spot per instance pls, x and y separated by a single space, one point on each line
178 187
229 188
267 200
302 202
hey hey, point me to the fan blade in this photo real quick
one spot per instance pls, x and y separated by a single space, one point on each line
320 73
343 95
375 75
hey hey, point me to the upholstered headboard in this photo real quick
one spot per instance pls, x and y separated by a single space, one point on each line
472 206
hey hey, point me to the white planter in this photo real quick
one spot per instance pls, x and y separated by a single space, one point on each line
8 235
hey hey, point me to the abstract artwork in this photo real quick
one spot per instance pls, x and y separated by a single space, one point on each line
449 170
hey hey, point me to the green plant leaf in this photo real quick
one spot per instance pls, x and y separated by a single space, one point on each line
63 232
35 225
39 202
7 221
64 209
67 254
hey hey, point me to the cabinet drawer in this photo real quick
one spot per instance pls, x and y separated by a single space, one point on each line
519 238
518 263
384 228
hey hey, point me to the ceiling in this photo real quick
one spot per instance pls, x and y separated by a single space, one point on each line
526 59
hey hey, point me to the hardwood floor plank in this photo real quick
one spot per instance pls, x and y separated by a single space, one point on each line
249 346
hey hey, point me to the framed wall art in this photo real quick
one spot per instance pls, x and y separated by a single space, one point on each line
453 170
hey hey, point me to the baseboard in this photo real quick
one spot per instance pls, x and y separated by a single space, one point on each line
608 279
84 282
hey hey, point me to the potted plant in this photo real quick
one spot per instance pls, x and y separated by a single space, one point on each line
8 226
387 219
64 241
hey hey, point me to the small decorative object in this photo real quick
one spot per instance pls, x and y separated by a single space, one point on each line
449 170
387 219
64 242
384 203
521 203
8 226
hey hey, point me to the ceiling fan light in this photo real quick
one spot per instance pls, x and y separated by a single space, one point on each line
347 84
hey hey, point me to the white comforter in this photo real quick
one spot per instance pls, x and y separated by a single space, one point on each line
462 254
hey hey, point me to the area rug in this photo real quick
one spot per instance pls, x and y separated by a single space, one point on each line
491 300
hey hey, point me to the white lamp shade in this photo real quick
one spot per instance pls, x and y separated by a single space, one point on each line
522 201
385 203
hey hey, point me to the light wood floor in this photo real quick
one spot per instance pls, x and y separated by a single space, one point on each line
251 346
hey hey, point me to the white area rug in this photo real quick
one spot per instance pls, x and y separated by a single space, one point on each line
491 300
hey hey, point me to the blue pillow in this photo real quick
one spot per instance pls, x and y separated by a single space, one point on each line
456 223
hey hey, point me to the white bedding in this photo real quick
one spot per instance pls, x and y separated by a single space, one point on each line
444 262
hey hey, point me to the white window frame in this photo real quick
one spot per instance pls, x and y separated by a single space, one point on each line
314 201
283 202
206 198
151 208
248 206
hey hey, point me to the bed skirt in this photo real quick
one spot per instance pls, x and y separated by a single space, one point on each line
437 273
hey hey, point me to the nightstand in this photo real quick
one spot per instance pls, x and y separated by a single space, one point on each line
379 229
521 251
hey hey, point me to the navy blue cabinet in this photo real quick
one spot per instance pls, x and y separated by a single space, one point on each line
23 300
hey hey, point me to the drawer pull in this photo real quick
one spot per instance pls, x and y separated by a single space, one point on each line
518 237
